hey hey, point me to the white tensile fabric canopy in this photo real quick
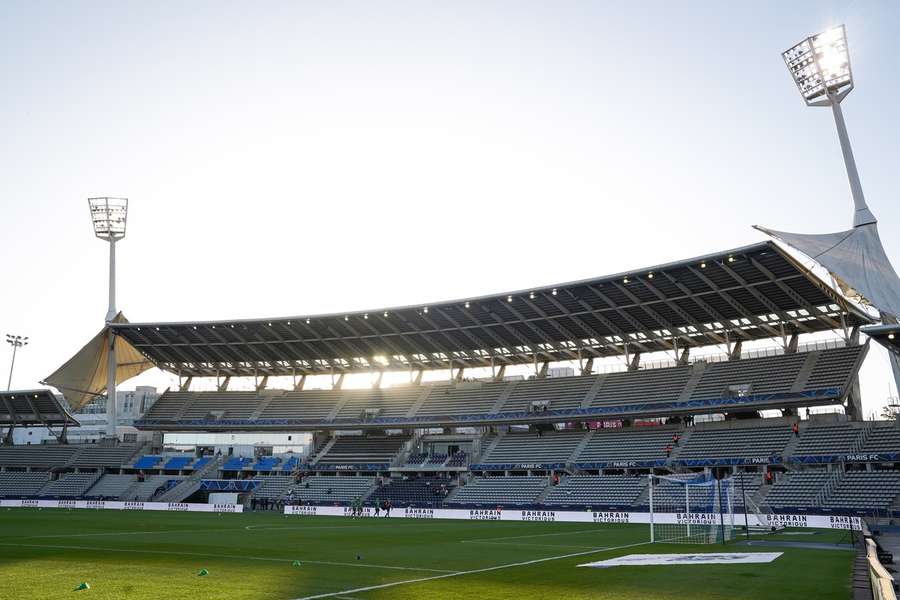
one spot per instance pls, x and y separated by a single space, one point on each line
856 259
83 377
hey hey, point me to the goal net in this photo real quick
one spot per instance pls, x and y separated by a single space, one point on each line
693 509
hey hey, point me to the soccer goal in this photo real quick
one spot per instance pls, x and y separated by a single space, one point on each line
692 509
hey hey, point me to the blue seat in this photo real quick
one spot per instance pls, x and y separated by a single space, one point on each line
266 463
176 463
201 462
236 463
147 462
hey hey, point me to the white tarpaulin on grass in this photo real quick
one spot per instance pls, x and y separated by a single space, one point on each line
713 558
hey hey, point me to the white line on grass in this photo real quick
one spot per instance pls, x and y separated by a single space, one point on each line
235 556
473 571
522 537
520 544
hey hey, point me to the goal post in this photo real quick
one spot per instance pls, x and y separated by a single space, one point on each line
691 509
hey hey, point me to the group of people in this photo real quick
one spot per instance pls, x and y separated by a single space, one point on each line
357 508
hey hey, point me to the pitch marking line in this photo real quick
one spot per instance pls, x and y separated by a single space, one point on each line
235 556
536 535
473 571
520 544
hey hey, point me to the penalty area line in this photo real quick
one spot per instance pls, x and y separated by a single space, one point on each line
344 593
535 535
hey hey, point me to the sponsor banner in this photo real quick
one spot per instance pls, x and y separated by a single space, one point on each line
492 514
119 505
713 558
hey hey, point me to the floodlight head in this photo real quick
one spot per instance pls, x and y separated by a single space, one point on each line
109 216
820 66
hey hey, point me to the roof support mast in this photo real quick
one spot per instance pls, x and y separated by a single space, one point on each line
820 66
109 216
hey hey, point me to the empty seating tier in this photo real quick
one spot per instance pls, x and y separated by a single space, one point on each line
493 491
865 491
597 492
148 488
100 456
307 405
561 393
332 490
883 438
645 385
632 444
422 491
70 485
15 484
834 367
551 447
469 398
111 486
350 449
740 442
799 490
36 456
780 373
828 440
770 374
272 487
389 402
215 405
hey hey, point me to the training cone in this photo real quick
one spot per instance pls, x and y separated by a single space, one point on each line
202 573
82 586
296 563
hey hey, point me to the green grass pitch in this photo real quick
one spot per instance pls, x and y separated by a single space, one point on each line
146 555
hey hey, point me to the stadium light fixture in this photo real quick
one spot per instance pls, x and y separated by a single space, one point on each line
109 217
820 67
16 341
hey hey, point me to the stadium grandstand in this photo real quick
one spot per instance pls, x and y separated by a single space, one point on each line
706 365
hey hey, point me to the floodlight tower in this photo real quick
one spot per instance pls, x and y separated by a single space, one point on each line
16 341
820 66
109 216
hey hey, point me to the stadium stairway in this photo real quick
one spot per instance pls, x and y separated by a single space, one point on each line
323 450
494 442
262 406
585 440
791 446
684 436
419 401
545 492
192 483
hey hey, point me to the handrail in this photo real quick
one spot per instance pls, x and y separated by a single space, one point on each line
881 581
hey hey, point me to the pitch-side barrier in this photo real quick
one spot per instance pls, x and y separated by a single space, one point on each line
119 505
560 516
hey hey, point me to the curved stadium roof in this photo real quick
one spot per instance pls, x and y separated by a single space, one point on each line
747 293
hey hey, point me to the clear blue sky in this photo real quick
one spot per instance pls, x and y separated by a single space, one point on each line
290 158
